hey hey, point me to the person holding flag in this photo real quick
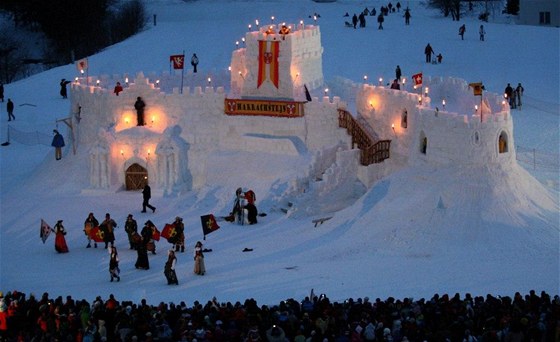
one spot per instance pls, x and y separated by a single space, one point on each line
90 223
179 241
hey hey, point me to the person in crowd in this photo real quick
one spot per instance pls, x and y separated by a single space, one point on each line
60 241
131 228
147 195
395 85
151 245
481 33
194 62
114 270
398 73
108 228
462 30
63 91
199 267
519 92
58 144
118 88
139 105
407 16
380 20
90 223
354 20
362 20
398 6
179 244
10 109
252 212
428 51
142 261
169 269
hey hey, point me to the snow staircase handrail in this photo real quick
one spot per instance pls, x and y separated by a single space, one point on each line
372 151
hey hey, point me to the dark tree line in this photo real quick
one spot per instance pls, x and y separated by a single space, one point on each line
453 8
76 29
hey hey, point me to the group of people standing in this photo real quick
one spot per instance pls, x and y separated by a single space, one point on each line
383 12
513 96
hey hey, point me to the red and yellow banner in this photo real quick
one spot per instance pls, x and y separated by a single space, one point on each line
290 109
268 62
178 61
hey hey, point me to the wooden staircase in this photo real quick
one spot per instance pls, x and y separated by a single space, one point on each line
372 152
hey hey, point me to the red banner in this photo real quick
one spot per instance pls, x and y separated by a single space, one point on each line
96 234
417 79
169 231
290 109
268 62
178 61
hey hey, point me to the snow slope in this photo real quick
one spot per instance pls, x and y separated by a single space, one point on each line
415 233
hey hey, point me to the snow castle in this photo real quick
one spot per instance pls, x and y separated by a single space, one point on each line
268 109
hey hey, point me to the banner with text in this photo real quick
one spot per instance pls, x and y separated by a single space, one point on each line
290 109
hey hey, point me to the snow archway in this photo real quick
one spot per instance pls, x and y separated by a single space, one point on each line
136 176
503 144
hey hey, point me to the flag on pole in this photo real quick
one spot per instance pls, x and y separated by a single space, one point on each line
477 88
268 62
209 224
82 64
178 61
417 79
45 230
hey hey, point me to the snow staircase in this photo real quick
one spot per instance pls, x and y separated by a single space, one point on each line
372 151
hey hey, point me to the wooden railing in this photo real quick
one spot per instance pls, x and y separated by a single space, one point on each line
372 152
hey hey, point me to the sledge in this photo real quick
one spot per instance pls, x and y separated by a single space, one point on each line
348 24
320 221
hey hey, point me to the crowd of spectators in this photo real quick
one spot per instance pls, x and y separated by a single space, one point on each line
530 317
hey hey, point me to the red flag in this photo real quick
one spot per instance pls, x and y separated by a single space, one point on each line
155 233
169 232
417 79
268 62
209 224
96 234
178 61
45 230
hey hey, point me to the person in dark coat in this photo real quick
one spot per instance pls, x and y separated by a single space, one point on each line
462 30
194 62
58 144
131 228
139 105
407 17
428 51
142 261
10 109
354 20
147 194
380 20
60 241
118 88
398 72
509 94
108 227
63 92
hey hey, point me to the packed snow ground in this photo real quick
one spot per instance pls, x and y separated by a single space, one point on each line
494 230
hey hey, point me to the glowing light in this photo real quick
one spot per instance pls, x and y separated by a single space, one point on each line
148 152
126 80
380 80
257 22
122 153
249 26
476 108
393 127
229 68
426 90
209 80
97 83
326 91
365 78
371 104
76 79
82 72
126 120
272 19
157 83
403 80
237 43
153 118
243 40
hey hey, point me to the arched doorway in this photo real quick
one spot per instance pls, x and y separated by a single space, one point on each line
135 177
503 143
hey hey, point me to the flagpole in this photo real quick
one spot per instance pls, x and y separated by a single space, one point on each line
183 71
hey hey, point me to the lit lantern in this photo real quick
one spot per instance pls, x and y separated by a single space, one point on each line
237 43
419 99
76 79
249 26
122 153
257 22
97 83
272 19
157 83
126 120
371 104
315 19
475 108
153 119
443 103
82 72
126 80
403 81
380 80
426 91
301 24
243 40
326 91
365 78
148 152
209 81
393 127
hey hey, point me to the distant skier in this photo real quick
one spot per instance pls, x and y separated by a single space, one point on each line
58 144
462 30
10 109
428 51
63 92
481 32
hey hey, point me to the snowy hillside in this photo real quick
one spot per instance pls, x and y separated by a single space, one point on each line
420 231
